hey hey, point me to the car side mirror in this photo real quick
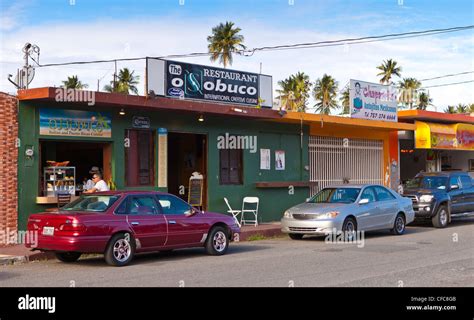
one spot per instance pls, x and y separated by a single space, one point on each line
191 212
454 187
364 201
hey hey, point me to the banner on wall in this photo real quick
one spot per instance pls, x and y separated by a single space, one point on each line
75 123
459 136
372 101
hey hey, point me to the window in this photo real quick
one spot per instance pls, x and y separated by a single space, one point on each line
142 205
383 194
230 166
453 181
466 182
173 205
336 195
91 203
139 158
369 194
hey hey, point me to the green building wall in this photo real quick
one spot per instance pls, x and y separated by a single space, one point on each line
270 135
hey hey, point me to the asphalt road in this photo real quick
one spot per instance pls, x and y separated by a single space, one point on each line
423 256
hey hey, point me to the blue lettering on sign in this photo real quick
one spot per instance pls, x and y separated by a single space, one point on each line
175 92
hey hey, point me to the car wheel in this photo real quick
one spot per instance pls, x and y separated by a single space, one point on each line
120 250
67 256
399 225
296 236
440 220
349 227
217 242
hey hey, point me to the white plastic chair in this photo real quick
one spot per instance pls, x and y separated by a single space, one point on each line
253 201
235 213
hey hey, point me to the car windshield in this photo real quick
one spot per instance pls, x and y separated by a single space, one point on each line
336 195
92 203
428 182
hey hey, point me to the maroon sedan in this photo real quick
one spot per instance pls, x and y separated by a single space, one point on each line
122 223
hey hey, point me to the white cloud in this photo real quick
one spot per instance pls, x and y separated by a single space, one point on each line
107 39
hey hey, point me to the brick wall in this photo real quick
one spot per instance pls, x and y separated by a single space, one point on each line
8 164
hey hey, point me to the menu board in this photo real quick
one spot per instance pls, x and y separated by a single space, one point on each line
195 191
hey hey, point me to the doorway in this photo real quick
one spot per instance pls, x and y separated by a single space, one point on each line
187 153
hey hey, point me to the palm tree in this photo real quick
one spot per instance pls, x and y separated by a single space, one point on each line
294 92
388 68
424 101
450 109
471 108
74 83
462 108
345 101
325 93
224 41
409 91
125 82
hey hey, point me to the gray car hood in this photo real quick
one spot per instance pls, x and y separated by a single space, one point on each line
316 208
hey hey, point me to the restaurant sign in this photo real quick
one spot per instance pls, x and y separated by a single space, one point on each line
75 123
372 101
208 83
188 81
459 136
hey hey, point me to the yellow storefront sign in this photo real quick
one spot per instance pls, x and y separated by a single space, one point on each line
459 136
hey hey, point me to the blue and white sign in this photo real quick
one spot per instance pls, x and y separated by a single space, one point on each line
373 101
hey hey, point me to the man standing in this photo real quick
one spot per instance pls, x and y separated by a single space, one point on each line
99 185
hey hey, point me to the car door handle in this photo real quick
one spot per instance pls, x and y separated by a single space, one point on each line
135 223
172 222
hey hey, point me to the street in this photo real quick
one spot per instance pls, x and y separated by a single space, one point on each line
423 256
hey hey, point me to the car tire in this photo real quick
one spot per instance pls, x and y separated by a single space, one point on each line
440 220
217 242
120 250
399 225
296 236
67 256
349 225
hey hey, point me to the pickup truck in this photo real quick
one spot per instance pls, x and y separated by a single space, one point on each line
439 196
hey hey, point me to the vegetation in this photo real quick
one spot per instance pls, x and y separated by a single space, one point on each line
388 69
325 93
73 82
125 83
224 41
294 92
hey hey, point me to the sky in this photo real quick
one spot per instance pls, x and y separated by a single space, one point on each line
78 30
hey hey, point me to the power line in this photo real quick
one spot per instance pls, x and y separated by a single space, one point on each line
447 84
448 75
328 43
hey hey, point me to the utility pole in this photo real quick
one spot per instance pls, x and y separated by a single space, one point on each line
115 75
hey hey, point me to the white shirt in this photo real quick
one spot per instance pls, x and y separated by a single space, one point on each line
89 185
101 186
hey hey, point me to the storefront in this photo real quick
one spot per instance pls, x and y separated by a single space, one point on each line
156 144
347 150
441 142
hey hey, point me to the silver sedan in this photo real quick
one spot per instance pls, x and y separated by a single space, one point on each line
349 208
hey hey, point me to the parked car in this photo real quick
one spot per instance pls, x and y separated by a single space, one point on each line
122 223
439 196
348 208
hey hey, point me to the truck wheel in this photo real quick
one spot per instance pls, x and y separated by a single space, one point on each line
440 220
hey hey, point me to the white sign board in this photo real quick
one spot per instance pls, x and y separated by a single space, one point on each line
373 101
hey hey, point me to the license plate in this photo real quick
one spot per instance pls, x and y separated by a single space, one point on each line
48 231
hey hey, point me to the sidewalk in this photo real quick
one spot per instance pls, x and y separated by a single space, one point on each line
19 254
